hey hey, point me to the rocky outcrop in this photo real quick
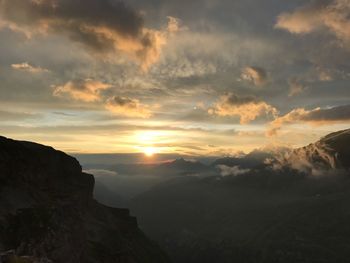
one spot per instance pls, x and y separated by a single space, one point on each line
328 155
48 214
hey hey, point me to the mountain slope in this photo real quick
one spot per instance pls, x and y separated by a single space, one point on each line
339 142
47 212
265 215
253 159
330 153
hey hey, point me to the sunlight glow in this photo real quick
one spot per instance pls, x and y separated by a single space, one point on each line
149 137
149 151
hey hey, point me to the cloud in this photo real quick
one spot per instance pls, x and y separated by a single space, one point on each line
85 90
331 15
256 75
325 76
295 87
25 66
173 25
14 116
316 159
246 108
103 26
316 116
100 172
232 171
128 107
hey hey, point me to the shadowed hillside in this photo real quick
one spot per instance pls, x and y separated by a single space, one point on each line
48 214
294 208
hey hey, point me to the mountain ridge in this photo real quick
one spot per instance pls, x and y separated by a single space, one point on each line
297 212
48 214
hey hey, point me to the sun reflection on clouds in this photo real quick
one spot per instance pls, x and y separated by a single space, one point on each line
153 142
148 137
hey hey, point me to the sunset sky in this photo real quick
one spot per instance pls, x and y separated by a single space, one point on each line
199 77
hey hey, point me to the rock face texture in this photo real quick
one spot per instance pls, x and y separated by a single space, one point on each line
331 153
48 214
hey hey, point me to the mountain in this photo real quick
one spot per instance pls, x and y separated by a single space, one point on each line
276 212
339 142
182 166
329 154
253 159
106 196
130 180
48 214
175 167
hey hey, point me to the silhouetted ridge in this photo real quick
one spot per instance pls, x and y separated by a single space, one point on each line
184 165
254 159
47 212
330 153
340 142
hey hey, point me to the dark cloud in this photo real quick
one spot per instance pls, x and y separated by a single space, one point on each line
316 116
340 113
73 15
256 75
128 107
235 100
101 25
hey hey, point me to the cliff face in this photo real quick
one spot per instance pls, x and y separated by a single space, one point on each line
331 153
47 212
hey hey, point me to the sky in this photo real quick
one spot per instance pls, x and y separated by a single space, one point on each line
198 77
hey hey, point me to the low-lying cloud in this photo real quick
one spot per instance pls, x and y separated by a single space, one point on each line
316 159
232 171
101 172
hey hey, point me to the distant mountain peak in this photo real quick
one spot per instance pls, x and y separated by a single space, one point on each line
330 153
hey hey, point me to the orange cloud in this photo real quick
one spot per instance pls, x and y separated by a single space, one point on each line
85 90
105 27
316 116
25 66
256 75
246 108
295 87
331 15
124 106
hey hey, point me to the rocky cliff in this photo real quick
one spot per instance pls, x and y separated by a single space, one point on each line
328 155
48 214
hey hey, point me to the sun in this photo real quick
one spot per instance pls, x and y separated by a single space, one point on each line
149 151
